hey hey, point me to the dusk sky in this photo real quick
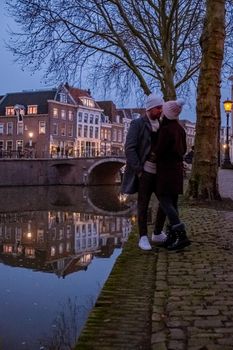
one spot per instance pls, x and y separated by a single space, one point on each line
14 79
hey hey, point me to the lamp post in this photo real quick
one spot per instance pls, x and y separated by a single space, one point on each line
228 108
30 134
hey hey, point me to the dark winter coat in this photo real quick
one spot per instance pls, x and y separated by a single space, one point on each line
170 149
137 147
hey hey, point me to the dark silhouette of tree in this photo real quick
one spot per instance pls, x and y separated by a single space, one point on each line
123 43
203 183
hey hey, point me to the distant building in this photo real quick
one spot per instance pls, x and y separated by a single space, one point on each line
190 128
88 143
37 123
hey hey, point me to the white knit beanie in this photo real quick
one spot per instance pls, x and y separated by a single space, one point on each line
172 109
153 100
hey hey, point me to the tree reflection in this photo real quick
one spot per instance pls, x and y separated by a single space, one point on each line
67 325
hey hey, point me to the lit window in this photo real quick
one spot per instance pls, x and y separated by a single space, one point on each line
10 110
71 116
32 109
119 136
88 102
42 127
61 249
63 114
55 113
19 144
53 251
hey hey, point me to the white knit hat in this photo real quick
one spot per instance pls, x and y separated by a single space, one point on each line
172 109
153 100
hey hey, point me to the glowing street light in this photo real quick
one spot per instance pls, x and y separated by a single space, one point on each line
228 108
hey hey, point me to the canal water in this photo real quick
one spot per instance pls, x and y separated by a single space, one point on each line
57 248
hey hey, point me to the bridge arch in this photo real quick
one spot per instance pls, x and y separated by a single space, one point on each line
105 171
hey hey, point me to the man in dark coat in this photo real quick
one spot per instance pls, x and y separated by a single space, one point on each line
140 172
170 149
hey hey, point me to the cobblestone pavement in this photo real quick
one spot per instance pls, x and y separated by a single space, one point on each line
164 300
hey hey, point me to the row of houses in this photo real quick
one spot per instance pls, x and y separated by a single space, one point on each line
66 122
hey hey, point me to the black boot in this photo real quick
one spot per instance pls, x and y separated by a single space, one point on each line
170 236
180 240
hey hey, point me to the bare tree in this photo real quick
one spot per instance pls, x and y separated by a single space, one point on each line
122 42
203 183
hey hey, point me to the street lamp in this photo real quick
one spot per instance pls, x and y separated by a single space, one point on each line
228 108
30 134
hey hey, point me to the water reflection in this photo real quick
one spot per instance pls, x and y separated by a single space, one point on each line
63 241
59 231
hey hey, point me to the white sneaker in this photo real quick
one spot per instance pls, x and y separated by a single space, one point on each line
161 238
144 243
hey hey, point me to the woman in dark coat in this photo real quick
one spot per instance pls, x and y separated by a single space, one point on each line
170 149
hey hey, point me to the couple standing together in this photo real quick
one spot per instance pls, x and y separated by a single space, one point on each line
154 164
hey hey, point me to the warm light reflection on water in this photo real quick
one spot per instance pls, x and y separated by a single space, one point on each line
57 247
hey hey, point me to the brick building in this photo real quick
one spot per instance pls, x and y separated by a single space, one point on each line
37 123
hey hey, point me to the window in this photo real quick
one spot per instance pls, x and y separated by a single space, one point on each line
20 128
53 251
71 116
42 127
55 129
80 117
114 137
85 118
10 110
32 109
9 128
19 145
91 118
85 131
87 102
1 128
91 131
80 131
1 144
55 113
9 145
96 119
119 136
63 114
63 97
70 130
96 133
63 129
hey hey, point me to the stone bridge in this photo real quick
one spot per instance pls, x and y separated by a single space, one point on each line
75 171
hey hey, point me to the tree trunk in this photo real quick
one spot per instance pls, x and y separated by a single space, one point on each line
203 183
